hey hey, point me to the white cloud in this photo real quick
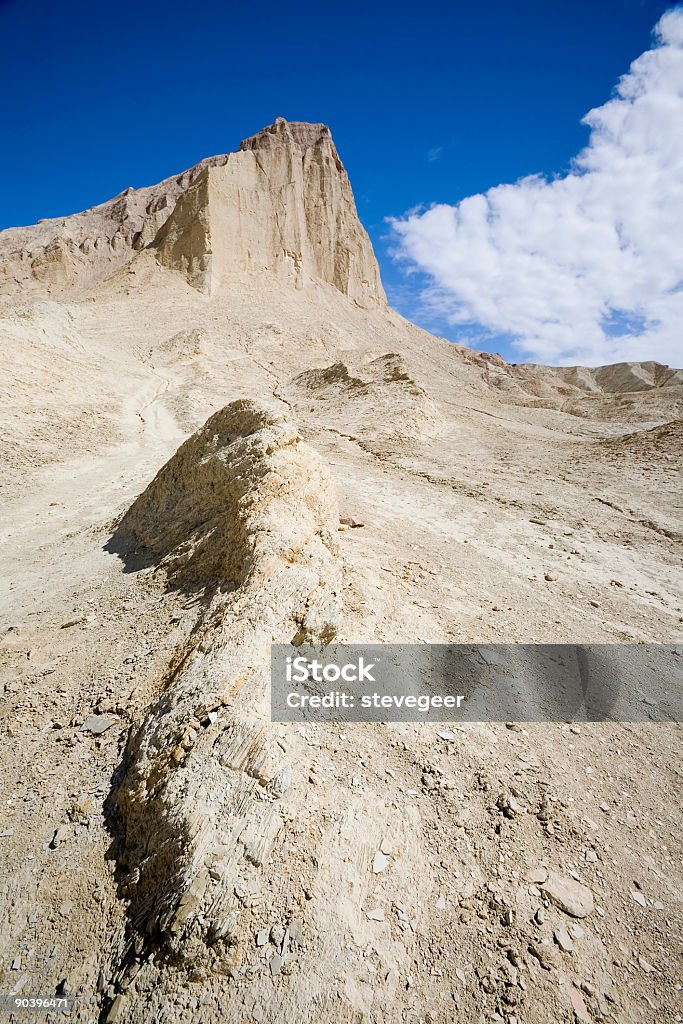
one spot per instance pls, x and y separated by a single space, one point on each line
585 268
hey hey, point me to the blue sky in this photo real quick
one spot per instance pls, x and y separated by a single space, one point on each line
428 103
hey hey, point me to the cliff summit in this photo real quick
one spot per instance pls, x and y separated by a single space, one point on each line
282 204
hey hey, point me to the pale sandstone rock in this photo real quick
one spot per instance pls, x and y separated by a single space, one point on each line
572 897
280 205
247 508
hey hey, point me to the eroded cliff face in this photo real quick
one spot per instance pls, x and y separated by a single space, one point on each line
64 256
282 204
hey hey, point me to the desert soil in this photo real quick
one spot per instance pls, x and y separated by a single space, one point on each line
499 504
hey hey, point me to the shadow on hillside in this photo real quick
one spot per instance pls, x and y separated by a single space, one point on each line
180 566
123 544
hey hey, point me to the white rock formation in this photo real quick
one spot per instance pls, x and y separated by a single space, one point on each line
247 510
282 204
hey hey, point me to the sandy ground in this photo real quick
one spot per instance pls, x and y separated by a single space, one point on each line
490 514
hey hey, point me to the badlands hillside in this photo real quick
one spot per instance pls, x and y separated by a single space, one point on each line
204 392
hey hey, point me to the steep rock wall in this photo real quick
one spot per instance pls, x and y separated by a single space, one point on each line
280 205
283 204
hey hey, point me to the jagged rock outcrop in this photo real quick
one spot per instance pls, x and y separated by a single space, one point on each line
61 255
378 403
246 509
282 204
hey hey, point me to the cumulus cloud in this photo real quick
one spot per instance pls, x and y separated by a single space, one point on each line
584 268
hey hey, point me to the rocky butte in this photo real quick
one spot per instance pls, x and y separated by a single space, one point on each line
216 435
282 205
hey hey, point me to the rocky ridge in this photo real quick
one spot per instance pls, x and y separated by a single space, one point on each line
246 513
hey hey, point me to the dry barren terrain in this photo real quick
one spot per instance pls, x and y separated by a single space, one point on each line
168 853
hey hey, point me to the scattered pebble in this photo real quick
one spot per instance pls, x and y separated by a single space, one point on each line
97 724
563 939
59 836
380 862
579 1006
543 954
570 896
275 965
